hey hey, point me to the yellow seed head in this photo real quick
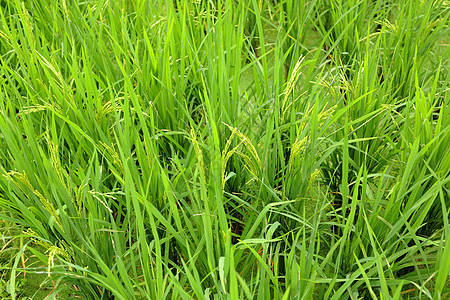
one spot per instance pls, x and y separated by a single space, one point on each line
199 154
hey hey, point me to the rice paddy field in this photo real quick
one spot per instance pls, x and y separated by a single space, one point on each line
176 149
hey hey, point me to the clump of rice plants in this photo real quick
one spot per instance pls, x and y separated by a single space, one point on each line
161 149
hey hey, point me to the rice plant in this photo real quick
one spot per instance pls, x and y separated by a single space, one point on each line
161 149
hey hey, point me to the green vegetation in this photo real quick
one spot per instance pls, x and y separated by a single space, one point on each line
182 149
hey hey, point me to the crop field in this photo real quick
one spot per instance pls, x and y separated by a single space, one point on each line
224 149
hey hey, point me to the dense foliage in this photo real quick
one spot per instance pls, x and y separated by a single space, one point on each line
184 149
